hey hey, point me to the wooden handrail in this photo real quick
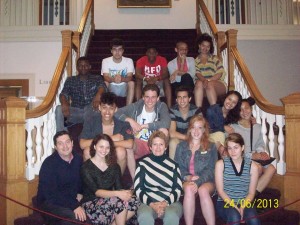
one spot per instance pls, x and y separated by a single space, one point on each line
85 15
210 20
255 92
51 94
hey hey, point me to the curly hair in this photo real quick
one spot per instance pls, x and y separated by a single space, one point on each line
204 142
206 37
108 98
234 114
111 157
158 134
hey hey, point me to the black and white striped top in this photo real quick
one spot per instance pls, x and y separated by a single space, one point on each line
157 178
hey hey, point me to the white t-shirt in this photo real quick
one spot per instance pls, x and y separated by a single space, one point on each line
144 118
123 68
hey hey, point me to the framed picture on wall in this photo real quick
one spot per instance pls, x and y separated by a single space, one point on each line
144 3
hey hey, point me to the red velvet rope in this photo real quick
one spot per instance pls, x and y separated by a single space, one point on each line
78 222
41 211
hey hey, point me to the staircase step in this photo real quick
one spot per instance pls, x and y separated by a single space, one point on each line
136 42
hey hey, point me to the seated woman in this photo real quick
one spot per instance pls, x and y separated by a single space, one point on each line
255 147
221 116
158 185
210 73
196 158
103 198
236 181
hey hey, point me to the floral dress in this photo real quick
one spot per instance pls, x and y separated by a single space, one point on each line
101 211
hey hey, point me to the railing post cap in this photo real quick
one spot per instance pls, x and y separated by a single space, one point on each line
293 98
15 102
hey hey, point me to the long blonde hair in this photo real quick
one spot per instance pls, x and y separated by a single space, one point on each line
204 142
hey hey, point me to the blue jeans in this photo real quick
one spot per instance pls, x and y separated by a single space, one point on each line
231 215
77 115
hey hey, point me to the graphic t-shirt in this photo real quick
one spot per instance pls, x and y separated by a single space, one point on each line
123 68
144 118
151 70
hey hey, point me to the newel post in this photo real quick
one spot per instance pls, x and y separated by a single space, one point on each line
67 43
231 36
292 153
220 39
12 159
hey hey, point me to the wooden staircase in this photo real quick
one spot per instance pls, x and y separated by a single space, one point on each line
136 42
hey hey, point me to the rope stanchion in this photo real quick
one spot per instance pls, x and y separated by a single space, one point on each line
263 214
44 212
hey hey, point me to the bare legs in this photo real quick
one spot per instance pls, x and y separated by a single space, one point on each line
168 92
204 191
265 178
213 89
130 92
131 164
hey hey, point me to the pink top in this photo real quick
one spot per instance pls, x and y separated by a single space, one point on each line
184 68
192 165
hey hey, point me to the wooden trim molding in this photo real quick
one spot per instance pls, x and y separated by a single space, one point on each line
23 83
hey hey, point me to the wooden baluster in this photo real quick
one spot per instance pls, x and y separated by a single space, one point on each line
281 165
38 147
29 174
271 144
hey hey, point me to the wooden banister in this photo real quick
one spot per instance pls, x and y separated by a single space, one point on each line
88 7
255 92
210 20
50 97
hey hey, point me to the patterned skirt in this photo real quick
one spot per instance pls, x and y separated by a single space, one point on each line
101 211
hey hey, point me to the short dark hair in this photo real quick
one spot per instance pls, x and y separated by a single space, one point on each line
158 134
250 100
111 157
236 138
183 88
82 58
108 98
60 133
116 42
208 38
152 87
151 46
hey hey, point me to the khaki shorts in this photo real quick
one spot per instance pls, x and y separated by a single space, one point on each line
217 137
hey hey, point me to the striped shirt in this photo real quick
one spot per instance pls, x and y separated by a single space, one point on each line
182 124
236 185
212 67
157 179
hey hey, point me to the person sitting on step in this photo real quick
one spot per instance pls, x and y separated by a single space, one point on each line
80 96
152 69
105 123
118 71
181 113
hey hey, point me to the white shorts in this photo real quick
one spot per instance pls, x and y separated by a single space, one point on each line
119 89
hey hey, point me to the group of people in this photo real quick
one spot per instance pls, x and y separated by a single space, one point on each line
168 150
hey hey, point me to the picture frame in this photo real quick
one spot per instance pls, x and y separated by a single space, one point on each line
144 3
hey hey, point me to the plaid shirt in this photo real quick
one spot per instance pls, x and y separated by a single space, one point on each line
82 92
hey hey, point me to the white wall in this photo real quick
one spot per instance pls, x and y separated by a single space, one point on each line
35 61
182 15
274 66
